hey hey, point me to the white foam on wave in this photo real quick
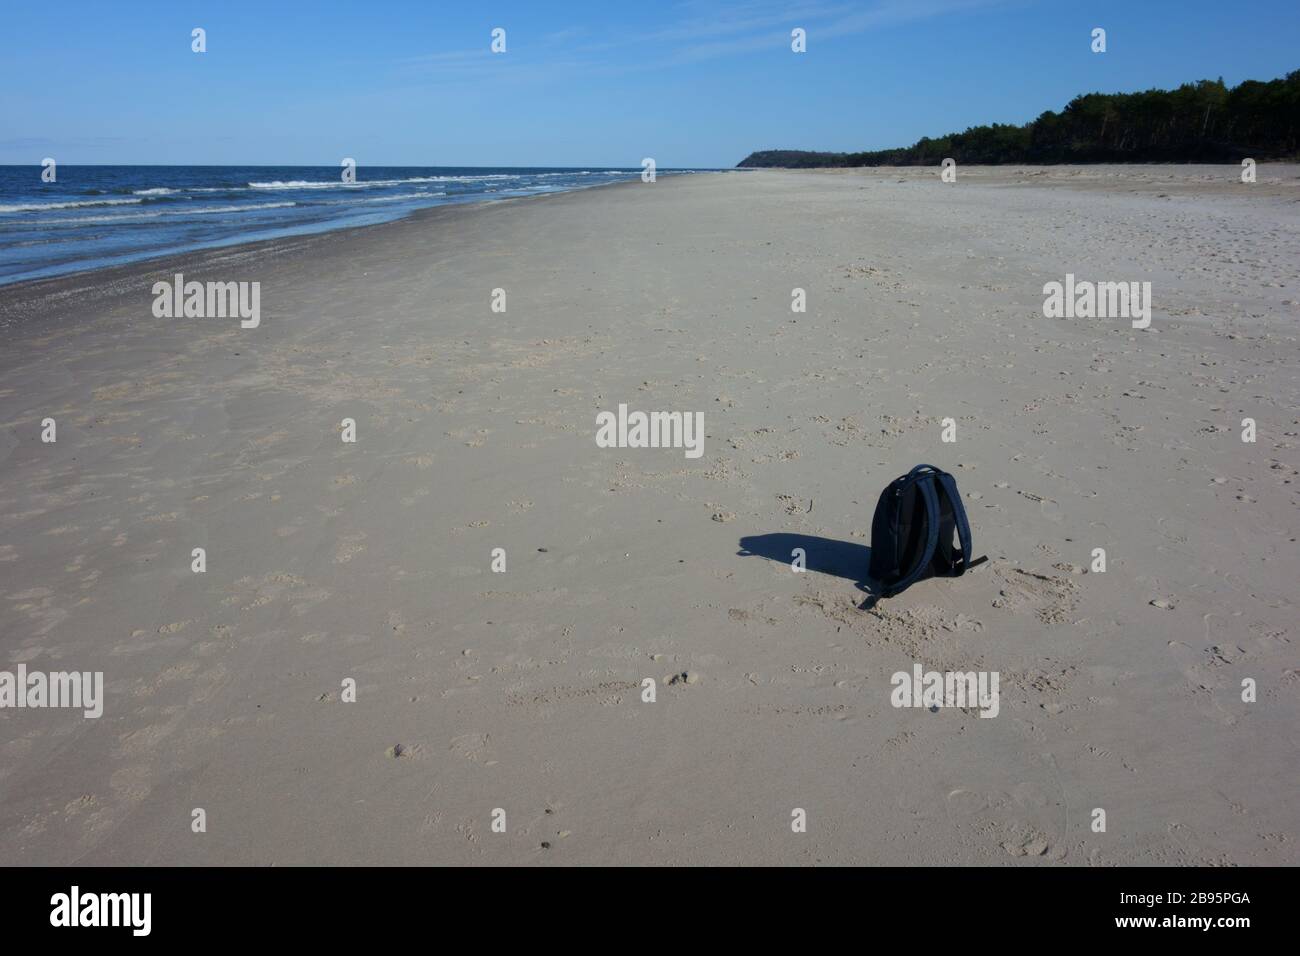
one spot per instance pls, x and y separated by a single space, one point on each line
170 214
167 191
590 172
349 202
365 183
244 208
40 206
360 184
80 220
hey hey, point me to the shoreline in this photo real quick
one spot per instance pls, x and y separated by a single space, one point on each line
273 244
1277 180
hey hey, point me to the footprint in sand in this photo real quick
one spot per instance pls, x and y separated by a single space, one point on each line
348 547
470 746
1052 598
1025 821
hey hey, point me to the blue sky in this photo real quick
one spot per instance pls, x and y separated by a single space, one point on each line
582 83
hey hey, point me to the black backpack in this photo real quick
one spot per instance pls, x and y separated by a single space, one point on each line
912 531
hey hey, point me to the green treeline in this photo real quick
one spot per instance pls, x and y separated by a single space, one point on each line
1198 122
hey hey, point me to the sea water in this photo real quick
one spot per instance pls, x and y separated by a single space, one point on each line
95 216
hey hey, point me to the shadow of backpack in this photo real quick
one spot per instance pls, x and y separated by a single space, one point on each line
912 532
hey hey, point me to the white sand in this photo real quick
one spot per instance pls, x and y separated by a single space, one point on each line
520 690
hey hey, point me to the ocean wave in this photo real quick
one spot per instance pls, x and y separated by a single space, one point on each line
366 183
166 191
82 220
137 216
349 202
40 206
244 208
315 184
590 172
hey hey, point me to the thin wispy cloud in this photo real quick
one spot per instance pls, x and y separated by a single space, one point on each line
745 18
824 23
902 11
699 32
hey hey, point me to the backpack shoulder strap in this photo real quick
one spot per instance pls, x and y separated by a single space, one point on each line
949 486
926 487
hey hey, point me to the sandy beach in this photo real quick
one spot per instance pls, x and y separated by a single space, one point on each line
372 561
